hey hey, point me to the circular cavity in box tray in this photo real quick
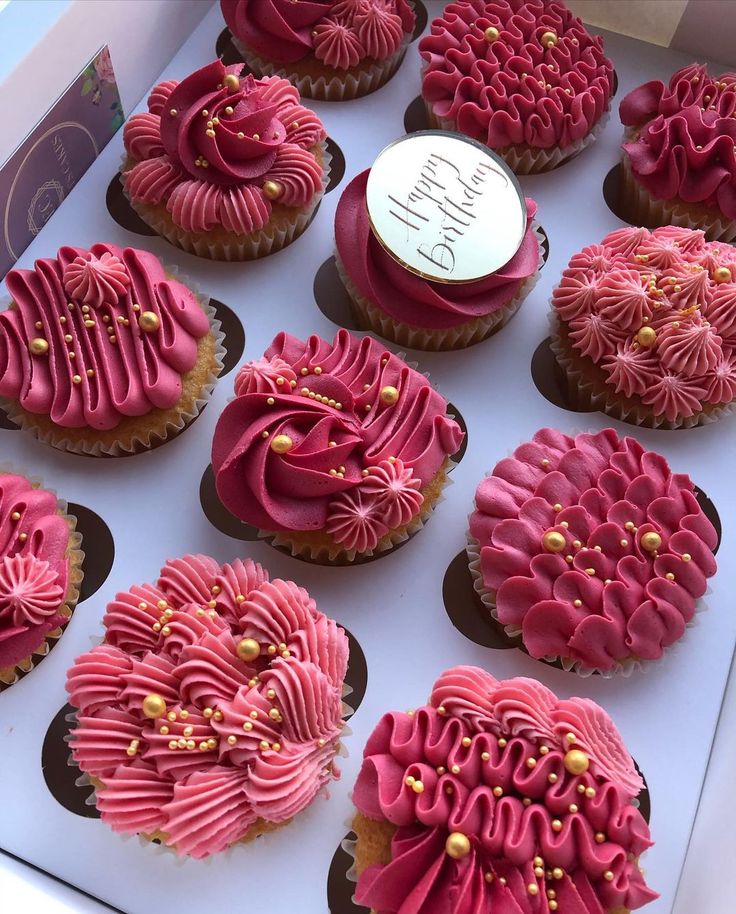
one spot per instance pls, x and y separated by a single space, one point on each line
611 190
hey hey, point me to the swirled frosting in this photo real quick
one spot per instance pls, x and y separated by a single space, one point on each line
679 287
515 89
34 568
219 150
340 445
73 349
341 35
596 552
505 799
684 143
410 298
213 706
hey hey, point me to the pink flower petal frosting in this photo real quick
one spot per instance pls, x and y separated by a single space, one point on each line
515 91
208 145
34 568
678 286
89 376
596 552
409 298
340 34
338 434
234 743
497 764
683 138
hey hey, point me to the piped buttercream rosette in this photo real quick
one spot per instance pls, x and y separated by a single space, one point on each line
590 550
212 711
498 796
336 450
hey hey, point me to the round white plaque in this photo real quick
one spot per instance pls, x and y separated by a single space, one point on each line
445 207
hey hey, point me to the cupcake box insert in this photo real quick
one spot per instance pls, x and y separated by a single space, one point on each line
393 607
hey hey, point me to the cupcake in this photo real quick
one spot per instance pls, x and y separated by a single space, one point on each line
590 550
498 796
644 325
336 450
525 78
40 573
226 167
212 711
102 352
331 51
412 310
679 164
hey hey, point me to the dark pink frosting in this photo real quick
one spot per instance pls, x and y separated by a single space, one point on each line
239 741
89 302
603 598
487 759
340 429
341 34
407 297
34 568
686 142
674 282
209 160
515 91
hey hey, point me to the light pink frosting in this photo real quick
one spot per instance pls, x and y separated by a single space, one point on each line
469 749
603 598
686 142
208 162
241 741
34 567
328 478
515 91
89 303
674 282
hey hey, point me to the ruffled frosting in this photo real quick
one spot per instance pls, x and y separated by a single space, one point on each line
73 349
34 567
684 138
596 552
341 35
233 741
487 762
514 90
679 287
219 150
305 455
407 297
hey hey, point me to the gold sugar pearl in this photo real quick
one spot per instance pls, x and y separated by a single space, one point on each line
153 706
491 34
457 845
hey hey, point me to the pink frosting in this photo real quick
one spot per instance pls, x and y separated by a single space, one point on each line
672 281
340 430
34 568
86 305
604 597
469 750
406 296
208 162
240 741
341 34
515 91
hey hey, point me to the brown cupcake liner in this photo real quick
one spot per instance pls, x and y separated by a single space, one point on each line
10 675
588 390
137 439
370 317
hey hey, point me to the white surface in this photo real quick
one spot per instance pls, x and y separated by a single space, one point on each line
24 889
393 606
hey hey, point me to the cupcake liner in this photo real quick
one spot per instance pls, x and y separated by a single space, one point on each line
528 160
221 245
645 209
370 317
587 389
10 675
340 86
142 439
